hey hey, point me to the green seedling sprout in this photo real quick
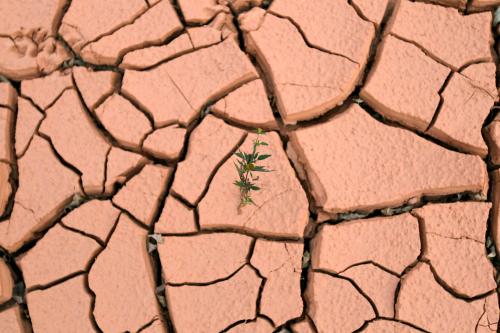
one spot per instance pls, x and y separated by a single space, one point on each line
246 165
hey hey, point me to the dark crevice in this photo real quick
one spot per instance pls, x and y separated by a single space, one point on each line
359 12
19 290
180 14
88 269
176 55
369 262
141 109
365 325
246 321
306 41
401 280
202 284
358 289
61 159
120 26
238 231
441 100
55 282
452 291
38 234
423 135
406 207
83 233
14 170
424 50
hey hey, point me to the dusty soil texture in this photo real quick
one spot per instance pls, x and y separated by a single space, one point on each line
119 121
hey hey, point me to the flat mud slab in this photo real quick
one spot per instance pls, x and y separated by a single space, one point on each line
121 123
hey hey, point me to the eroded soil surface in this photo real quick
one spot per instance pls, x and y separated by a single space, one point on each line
118 124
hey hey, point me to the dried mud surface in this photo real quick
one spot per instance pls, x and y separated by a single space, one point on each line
118 126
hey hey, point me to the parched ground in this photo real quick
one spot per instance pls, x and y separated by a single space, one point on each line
119 121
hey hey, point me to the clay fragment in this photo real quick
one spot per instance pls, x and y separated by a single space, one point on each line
209 144
23 57
247 105
175 218
61 308
214 307
11 320
154 26
381 166
424 303
27 121
281 208
202 258
121 118
280 263
165 143
330 315
308 85
45 90
338 247
40 172
95 218
444 33
94 86
141 195
58 254
130 304
6 127
32 16
6 282
454 238
77 139
8 95
402 74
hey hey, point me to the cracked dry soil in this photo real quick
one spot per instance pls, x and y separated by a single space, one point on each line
118 124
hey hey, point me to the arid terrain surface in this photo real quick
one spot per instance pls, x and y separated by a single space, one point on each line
119 121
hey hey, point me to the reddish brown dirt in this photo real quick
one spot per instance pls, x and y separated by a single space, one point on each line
119 121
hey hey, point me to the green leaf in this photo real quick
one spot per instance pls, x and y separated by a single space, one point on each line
262 143
239 183
263 157
260 169
255 188
239 154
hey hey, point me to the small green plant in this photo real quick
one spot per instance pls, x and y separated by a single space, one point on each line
246 165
